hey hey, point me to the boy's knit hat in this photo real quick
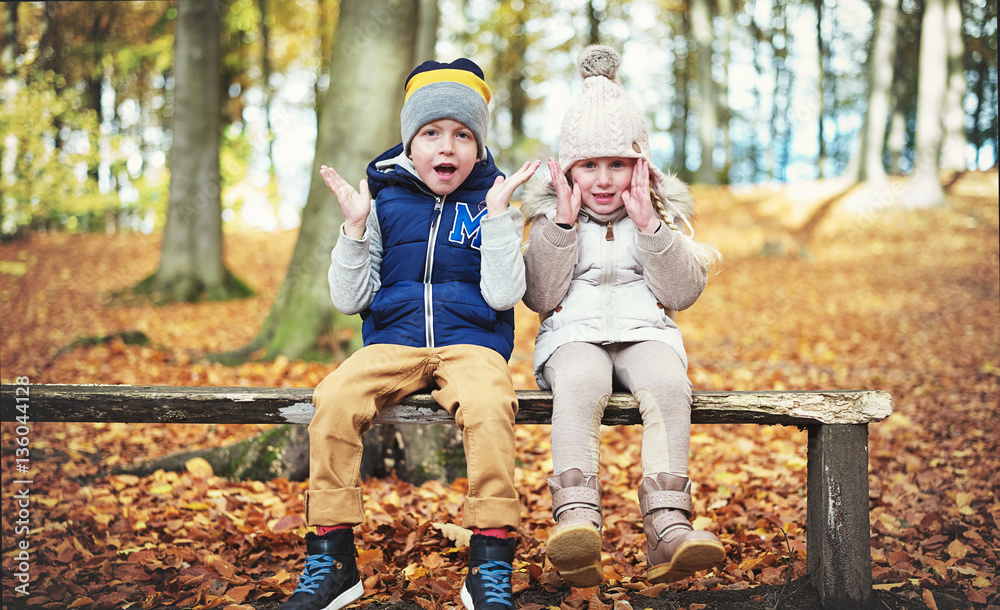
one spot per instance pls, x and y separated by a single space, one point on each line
455 90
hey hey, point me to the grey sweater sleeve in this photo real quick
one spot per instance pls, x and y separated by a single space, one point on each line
671 271
355 268
502 270
549 261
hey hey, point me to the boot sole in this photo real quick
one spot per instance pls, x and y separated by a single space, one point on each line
347 597
575 552
692 556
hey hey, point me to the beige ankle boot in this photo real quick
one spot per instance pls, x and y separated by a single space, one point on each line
574 547
674 550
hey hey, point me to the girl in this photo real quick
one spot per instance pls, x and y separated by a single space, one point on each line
607 267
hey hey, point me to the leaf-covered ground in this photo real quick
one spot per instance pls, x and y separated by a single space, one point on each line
812 296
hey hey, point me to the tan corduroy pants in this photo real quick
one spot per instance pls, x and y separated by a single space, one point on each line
471 383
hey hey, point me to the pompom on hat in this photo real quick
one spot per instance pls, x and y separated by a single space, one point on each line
455 90
606 122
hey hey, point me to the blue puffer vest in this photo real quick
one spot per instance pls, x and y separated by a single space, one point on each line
430 273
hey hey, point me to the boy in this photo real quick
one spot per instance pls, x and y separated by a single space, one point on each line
433 266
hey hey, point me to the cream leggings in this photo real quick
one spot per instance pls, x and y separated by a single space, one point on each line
581 375
472 383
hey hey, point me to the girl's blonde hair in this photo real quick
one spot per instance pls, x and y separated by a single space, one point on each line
706 255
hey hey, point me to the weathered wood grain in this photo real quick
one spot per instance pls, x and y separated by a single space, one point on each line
177 405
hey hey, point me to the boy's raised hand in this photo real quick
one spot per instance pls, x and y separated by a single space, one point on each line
637 202
355 205
498 197
568 199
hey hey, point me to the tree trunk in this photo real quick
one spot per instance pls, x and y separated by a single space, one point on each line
896 141
903 92
725 8
701 30
8 55
593 24
328 17
953 121
416 453
822 56
191 263
756 149
427 25
978 136
924 188
265 78
279 452
780 131
681 104
460 20
358 120
518 98
9 51
867 164
46 38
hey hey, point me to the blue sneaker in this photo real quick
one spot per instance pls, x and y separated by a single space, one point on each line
331 579
488 586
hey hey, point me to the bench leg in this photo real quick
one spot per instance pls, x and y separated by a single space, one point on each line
838 539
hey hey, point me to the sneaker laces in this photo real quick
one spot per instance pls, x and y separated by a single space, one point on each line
317 567
496 580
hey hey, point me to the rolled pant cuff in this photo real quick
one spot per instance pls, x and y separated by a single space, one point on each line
335 506
490 513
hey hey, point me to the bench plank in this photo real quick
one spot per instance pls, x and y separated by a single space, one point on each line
196 404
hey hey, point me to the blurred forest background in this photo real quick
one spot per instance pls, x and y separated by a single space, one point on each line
244 99
158 158
737 92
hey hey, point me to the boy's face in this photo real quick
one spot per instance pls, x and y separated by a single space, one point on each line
444 153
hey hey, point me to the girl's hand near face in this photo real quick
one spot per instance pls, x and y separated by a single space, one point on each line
637 201
355 204
567 199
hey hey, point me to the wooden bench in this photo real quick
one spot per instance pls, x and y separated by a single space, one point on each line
837 523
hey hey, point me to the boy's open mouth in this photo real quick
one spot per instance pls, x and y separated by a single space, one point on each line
445 169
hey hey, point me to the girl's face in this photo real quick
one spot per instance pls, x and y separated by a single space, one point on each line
602 181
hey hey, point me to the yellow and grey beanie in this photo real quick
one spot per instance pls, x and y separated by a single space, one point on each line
455 90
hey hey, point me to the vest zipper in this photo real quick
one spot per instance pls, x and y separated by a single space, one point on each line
429 274
610 235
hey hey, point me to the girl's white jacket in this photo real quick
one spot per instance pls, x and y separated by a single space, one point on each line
610 296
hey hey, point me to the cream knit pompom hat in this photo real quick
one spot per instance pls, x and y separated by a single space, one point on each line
604 121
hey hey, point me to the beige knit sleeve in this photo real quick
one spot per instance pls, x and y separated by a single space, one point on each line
670 269
548 264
